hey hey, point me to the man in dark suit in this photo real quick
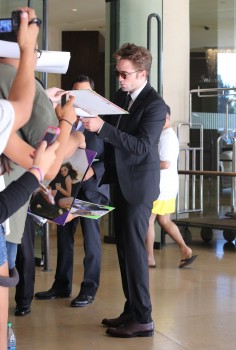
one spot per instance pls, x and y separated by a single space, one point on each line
132 165
90 192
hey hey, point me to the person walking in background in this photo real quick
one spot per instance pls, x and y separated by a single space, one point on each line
90 191
132 165
168 149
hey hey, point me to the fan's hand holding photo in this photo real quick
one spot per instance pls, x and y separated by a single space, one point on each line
55 94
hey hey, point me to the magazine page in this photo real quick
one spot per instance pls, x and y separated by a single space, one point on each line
53 201
89 210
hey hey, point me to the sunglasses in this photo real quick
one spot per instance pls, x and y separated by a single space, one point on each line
123 75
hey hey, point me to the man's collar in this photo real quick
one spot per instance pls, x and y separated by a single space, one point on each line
135 94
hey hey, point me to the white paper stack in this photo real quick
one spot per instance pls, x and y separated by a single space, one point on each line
49 62
89 103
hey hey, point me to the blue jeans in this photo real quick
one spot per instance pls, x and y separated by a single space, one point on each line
3 249
11 254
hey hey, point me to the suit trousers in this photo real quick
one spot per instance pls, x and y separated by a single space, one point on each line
131 224
25 264
65 256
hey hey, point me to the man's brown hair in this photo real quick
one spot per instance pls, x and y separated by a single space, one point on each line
138 55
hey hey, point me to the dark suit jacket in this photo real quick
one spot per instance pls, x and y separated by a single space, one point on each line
91 189
135 145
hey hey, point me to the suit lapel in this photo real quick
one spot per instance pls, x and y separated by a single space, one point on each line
119 101
140 101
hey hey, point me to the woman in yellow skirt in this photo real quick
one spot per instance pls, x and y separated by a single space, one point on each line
164 206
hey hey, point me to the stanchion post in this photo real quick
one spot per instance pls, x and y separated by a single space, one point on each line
46 265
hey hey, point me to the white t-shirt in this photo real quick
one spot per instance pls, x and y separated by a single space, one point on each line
7 117
168 149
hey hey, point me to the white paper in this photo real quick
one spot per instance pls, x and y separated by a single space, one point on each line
49 62
88 103
53 62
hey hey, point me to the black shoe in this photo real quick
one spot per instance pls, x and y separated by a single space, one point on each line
117 322
132 329
51 294
82 300
22 310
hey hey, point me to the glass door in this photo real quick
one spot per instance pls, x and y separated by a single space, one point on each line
127 21
213 86
212 72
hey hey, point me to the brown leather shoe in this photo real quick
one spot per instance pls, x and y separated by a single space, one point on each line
116 322
132 329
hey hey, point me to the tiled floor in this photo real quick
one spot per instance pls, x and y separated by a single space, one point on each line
193 308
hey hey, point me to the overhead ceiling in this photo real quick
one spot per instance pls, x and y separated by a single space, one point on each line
89 14
211 21
212 24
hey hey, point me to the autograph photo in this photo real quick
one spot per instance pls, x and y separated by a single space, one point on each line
54 201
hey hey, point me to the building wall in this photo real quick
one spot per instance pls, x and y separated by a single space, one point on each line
176 58
176 48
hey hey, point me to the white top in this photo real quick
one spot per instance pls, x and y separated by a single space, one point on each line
168 149
7 117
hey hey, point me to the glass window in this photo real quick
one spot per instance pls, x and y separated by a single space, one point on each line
212 51
213 75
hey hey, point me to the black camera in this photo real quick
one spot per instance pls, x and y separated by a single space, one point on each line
9 25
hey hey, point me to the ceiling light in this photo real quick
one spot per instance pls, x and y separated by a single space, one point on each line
74 10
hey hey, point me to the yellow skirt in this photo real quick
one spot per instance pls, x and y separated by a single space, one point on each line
162 207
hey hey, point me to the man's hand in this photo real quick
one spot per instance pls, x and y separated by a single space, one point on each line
92 124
